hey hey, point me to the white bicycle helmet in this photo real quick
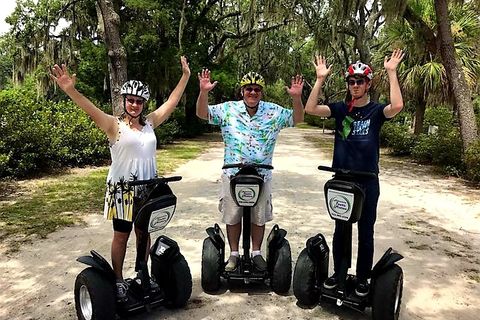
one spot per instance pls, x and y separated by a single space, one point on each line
135 88
359 69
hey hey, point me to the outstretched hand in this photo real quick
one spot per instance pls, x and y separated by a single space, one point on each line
321 68
392 63
63 79
296 86
185 66
205 82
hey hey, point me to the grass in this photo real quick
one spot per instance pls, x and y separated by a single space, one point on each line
38 207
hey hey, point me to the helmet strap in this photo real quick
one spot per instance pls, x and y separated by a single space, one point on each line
254 109
125 109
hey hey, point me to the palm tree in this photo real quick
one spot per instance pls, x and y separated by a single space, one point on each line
456 76
423 75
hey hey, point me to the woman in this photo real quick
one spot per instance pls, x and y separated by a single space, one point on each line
132 147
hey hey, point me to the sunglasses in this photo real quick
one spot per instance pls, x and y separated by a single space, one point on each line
250 89
358 82
138 101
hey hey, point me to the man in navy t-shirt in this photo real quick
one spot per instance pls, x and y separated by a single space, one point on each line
358 122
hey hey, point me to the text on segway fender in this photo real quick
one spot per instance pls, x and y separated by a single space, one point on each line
247 194
161 249
160 218
340 204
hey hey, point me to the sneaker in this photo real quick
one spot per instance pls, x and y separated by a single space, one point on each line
232 263
259 263
331 283
154 287
122 288
362 289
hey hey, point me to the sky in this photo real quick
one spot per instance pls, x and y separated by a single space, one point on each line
7 8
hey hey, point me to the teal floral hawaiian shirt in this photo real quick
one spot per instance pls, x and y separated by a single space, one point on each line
249 139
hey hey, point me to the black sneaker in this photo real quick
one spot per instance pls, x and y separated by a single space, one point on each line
122 288
362 289
331 283
154 286
259 263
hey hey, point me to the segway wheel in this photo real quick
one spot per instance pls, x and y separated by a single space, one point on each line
94 296
211 266
175 279
304 281
282 269
387 294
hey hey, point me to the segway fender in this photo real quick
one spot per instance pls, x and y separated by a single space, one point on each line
165 249
217 236
386 261
276 237
98 262
275 241
317 248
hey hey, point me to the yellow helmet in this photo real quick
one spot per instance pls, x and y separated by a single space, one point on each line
252 78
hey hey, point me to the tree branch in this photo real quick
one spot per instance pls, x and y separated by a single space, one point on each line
230 35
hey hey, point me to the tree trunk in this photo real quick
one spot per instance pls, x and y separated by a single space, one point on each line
456 77
109 21
419 115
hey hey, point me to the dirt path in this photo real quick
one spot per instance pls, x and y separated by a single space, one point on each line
433 222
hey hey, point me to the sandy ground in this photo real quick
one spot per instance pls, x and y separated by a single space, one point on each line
433 221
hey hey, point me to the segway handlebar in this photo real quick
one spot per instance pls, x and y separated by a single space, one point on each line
154 181
244 165
360 174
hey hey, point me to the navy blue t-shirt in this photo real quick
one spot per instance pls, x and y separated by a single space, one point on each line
357 136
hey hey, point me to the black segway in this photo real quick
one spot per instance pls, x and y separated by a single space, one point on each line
246 187
345 204
95 289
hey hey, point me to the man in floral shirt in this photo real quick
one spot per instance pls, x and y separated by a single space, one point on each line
249 128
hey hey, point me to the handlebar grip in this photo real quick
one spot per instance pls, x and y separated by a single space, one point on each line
154 180
243 165
364 174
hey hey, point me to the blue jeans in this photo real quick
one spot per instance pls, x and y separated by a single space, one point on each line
365 231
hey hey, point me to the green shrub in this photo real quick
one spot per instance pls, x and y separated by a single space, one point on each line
443 147
320 122
397 138
444 150
472 161
440 116
38 135
167 132
277 93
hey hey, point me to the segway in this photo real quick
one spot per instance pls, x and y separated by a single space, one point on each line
246 188
95 289
345 200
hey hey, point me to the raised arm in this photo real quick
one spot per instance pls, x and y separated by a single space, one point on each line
107 123
322 71
295 91
396 100
205 87
158 116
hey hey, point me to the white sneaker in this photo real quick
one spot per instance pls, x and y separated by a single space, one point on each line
232 263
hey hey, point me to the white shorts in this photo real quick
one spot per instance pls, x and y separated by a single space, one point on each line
232 214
